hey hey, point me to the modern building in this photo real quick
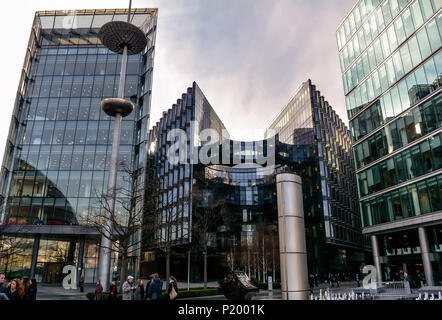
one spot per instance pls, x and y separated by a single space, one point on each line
56 161
391 62
228 210
333 219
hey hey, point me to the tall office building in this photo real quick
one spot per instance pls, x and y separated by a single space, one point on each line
391 62
56 161
229 209
330 196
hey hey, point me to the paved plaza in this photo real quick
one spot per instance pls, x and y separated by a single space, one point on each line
56 291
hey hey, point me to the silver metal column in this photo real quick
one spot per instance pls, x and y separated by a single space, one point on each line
34 256
293 253
188 270
80 258
106 243
126 39
425 249
376 258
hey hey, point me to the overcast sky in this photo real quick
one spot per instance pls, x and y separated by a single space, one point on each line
248 56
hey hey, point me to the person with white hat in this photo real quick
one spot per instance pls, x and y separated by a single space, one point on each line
129 288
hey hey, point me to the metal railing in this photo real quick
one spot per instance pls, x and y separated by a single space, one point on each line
392 288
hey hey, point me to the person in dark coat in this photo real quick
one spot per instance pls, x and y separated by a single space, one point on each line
139 293
81 284
331 279
155 291
113 291
2 283
33 290
26 285
98 291
311 282
15 290
151 277
173 284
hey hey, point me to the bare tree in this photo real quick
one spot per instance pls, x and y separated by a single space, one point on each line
126 220
163 221
204 219
11 246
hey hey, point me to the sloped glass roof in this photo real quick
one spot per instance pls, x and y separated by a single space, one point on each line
92 19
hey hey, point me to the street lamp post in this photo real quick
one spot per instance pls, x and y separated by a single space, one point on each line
126 39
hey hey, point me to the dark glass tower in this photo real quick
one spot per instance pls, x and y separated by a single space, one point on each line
333 220
228 211
391 64
57 156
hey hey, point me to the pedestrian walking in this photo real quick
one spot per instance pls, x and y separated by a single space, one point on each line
173 288
316 280
331 278
337 279
357 280
139 294
155 291
128 288
98 291
2 283
113 291
81 284
311 282
151 277
33 290
15 290
26 284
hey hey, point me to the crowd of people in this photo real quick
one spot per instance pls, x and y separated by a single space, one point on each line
137 291
332 279
16 289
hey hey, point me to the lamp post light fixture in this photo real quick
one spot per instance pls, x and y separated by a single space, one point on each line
126 39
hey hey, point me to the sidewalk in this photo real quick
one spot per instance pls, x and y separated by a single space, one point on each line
57 292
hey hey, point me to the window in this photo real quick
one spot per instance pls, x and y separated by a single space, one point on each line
414 51
424 44
408 22
424 199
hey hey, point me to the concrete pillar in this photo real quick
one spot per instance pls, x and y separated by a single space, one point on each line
188 270
376 257
71 251
425 249
405 267
80 258
292 244
34 256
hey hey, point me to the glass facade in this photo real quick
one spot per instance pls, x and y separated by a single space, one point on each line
56 163
240 198
329 182
391 66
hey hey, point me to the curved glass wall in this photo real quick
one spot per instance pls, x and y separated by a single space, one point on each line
63 142
409 20
415 50
408 128
408 92
418 160
416 199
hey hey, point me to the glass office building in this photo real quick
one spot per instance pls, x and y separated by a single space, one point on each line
391 63
329 181
229 209
56 162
